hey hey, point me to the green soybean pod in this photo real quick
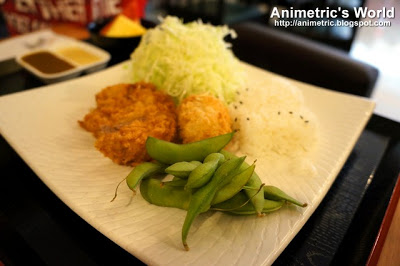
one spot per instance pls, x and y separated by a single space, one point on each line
175 183
274 193
202 174
237 183
195 163
248 209
142 171
182 169
216 156
170 153
201 199
240 205
269 206
255 195
166 196
238 200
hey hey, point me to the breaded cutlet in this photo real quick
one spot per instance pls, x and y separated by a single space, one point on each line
126 114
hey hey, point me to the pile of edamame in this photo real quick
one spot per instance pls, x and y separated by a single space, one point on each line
205 177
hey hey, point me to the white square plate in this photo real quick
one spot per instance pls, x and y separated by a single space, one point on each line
41 125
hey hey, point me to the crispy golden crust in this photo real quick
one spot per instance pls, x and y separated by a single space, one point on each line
126 114
201 117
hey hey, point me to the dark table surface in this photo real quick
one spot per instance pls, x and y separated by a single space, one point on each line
36 228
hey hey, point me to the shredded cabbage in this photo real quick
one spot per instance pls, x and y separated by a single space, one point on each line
185 59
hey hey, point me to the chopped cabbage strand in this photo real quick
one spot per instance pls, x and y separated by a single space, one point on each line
185 59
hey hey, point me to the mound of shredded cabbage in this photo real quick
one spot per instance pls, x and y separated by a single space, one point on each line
185 59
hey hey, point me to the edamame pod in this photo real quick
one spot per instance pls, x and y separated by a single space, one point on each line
175 183
142 171
255 195
201 199
274 193
269 206
216 156
240 205
182 169
166 196
238 200
237 183
202 174
170 153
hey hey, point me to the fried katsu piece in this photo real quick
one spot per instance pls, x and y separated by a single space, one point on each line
202 116
126 114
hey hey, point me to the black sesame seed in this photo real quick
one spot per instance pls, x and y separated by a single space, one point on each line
279 113
301 117
241 102
248 118
235 106
290 112
235 119
306 121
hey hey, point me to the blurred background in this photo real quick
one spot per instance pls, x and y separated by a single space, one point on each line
377 46
236 11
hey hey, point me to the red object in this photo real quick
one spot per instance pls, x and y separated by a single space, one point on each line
24 16
134 9
383 231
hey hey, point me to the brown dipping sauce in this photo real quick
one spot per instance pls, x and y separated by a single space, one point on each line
47 62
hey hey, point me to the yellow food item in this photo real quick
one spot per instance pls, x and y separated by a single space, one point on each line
78 55
123 26
201 117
